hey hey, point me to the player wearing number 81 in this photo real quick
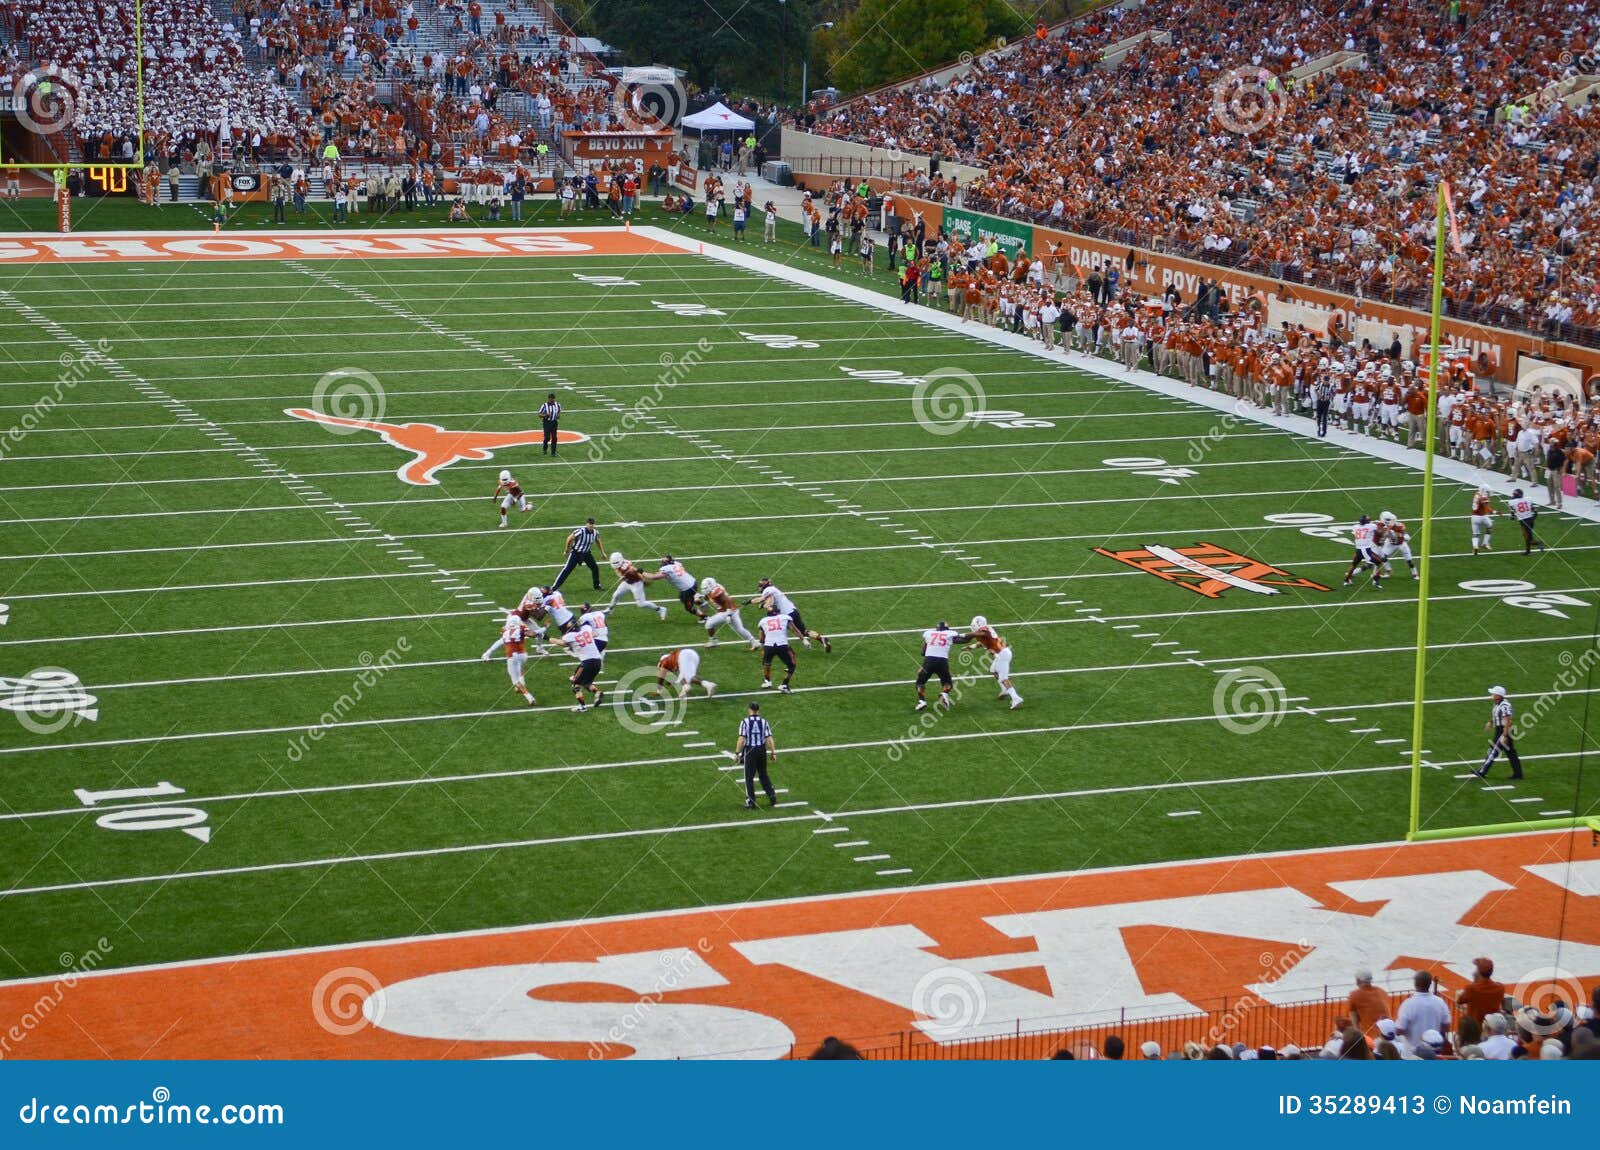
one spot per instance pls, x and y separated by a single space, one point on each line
936 643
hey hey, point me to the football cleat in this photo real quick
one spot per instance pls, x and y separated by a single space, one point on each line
580 708
826 645
597 695
783 688
663 613
807 643
766 684
922 705
1015 703
532 702
712 642
749 804
711 688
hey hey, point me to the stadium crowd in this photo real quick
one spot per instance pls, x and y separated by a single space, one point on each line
298 75
1205 140
1208 341
1484 1021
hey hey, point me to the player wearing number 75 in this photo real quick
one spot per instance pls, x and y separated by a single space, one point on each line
936 643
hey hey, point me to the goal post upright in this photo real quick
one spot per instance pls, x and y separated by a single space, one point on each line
1443 228
1414 824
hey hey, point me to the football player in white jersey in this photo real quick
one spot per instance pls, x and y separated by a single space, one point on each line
999 656
631 581
595 619
775 628
682 582
530 609
1392 542
513 634
770 597
936 643
508 493
580 640
683 663
724 609
555 605
1525 513
1365 533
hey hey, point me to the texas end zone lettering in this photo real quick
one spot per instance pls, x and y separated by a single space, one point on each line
1209 570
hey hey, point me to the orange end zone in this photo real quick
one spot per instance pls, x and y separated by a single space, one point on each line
146 247
947 963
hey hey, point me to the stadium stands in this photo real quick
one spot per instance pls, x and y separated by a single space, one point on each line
1300 141
395 83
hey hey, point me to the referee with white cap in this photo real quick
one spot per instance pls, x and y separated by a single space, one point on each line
1501 735
753 750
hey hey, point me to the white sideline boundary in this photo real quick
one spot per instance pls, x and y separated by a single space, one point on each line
1000 883
1447 469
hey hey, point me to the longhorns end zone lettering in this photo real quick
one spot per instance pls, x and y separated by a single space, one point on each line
1209 570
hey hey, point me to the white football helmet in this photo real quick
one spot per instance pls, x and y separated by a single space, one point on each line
505 477
1387 517
616 559
979 622
706 584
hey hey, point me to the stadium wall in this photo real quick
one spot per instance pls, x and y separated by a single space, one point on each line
1154 270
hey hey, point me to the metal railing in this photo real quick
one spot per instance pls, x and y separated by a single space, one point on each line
1308 1024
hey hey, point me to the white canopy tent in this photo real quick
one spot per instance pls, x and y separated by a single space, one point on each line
718 118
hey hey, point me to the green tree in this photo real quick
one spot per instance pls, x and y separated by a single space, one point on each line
886 40
733 44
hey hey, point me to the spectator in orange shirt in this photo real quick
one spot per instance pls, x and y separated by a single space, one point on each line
1368 1003
1482 996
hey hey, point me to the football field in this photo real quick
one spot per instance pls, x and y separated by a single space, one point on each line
285 735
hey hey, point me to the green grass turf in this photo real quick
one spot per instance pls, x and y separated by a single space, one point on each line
217 614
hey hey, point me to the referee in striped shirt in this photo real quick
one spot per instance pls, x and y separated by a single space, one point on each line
580 549
753 750
1501 735
550 419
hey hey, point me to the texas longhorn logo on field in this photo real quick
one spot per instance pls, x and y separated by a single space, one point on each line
433 446
1208 569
